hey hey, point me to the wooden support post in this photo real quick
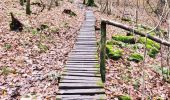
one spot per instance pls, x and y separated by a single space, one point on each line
28 11
103 50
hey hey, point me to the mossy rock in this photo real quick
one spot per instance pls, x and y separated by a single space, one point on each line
126 19
125 39
136 57
114 42
149 42
153 52
113 54
124 97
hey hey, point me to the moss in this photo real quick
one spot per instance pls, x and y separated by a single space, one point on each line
125 39
113 54
42 47
99 83
135 57
126 19
7 46
114 42
149 42
124 97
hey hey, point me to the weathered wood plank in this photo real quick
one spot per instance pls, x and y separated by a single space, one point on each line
79 61
80 56
67 65
78 85
78 71
81 69
82 78
82 97
81 91
81 74
78 81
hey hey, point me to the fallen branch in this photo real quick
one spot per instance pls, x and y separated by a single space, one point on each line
128 28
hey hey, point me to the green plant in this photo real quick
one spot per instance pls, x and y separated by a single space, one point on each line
7 46
34 31
125 39
135 57
5 70
42 47
136 84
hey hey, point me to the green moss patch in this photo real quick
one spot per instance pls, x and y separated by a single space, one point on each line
114 54
135 57
153 52
149 42
124 97
125 39
114 42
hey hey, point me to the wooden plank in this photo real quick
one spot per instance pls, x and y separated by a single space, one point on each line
81 74
82 78
81 91
78 85
84 56
77 71
80 66
85 36
86 39
80 97
81 63
82 50
82 59
86 44
83 53
77 81
81 69
87 48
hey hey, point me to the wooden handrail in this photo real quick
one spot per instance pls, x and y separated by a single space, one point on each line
105 22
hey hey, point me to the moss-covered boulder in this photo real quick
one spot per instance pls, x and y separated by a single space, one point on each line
114 42
114 54
125 39
149 42
136 57
153 52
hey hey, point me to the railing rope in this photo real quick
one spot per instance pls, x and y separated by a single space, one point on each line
104 22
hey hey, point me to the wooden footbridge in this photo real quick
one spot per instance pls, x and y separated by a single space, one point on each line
81 78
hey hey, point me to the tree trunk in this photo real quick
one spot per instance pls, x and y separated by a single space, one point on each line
28 11
160 6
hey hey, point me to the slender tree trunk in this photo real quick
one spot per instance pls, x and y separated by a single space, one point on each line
84 1
28 11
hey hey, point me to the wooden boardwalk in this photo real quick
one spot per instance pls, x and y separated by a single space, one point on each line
81 78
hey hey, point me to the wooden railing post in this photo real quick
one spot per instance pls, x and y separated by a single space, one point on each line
103 50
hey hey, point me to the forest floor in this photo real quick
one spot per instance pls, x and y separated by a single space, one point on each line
31 60
124 77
